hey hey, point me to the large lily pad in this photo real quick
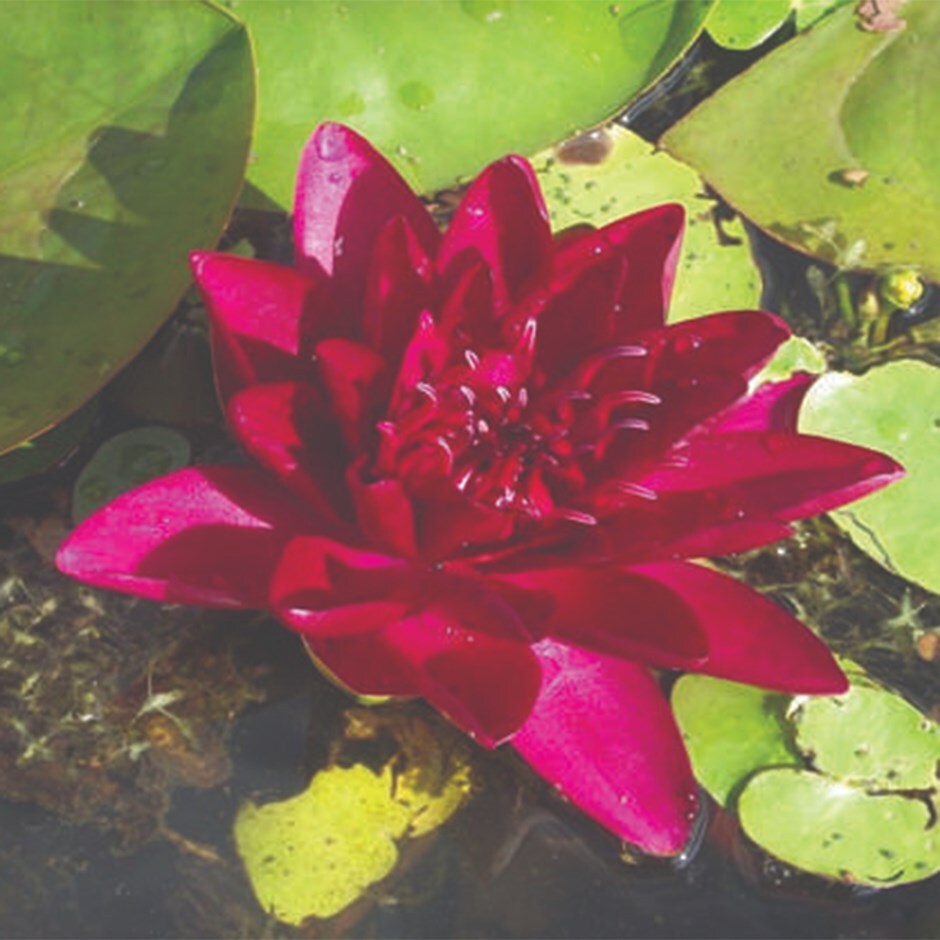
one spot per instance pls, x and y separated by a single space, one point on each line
316 853
125 135
894 408
731 730
742 24
716 271
443 87
839 831
829 143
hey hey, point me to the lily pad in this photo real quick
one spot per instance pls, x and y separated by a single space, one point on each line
743 24
444 87
834 829
716 271
126 129
125 461
889 745
49 449
316 853
894 408
829 142
731 731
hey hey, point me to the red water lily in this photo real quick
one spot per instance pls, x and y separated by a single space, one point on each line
482 460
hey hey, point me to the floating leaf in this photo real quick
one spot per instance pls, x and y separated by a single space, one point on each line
893 408
444 87
741 25
316 853
869 737
731 731
829 142
49 449
839 831
716 271
126 128
125 461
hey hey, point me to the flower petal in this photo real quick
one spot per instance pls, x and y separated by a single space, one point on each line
503 221
346 193
207 535
483 683
773 406
615 611
650 242
399 287
265 318
602 733
356 379
773 473
383 510
287 428
750 638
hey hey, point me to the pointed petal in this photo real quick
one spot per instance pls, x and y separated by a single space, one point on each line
602 733
346 193
356 379
773 474
773 406
207 535
483 683
615 611
502 220
383 510
399 287
265 318
650 242
751 639
286 426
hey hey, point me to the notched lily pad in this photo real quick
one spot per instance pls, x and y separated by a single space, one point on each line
731 730
871 738
125 461
316 853
831 828
613 172
893 408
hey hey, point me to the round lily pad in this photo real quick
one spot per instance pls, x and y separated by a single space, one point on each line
731 731
824 825
625 174
893 408
126 461
869 737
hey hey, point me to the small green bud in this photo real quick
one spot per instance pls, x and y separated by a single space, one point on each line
901 288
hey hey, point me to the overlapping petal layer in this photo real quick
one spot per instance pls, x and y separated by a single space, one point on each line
484 461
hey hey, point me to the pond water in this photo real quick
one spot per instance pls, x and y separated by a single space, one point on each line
132 734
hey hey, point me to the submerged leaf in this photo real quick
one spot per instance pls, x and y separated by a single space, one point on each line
315 854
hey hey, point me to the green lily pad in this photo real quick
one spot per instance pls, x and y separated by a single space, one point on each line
834 829
891 745
716 271
316 853
829 142
743 24
893 408
444 87
125 136
49 449
125 461
731 731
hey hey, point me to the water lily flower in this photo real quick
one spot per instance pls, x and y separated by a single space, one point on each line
481 466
